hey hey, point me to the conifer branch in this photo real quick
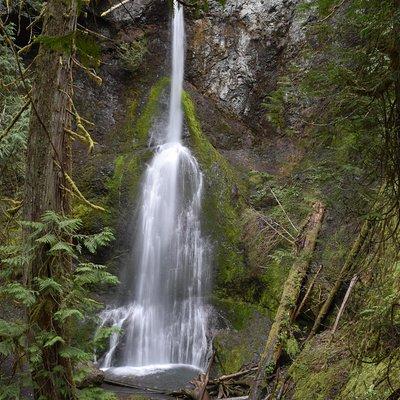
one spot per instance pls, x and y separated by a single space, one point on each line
14 121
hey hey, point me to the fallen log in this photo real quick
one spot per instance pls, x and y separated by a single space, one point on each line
284 316
203 392
356 250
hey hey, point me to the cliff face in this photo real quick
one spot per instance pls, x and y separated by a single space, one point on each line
238 52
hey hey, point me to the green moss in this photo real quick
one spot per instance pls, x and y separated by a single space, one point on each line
120 189
138 397
315 378
128 167
114 183
222 205
140 129
362 383
237 311
249 324
230 358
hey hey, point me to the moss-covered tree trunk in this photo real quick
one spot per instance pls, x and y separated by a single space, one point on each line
284 316
48 162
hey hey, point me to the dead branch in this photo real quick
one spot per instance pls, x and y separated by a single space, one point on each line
344 302
235 375
284 211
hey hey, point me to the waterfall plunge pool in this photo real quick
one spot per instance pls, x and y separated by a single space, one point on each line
163 377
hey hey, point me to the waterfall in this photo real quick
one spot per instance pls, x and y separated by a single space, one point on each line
166 320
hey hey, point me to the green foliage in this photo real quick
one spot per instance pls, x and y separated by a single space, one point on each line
276 105
142 126
13 145
78 43
132 53
75 306
95 394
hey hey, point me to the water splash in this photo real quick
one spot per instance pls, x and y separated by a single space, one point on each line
166 320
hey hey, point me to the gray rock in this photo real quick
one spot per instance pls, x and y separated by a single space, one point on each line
237 51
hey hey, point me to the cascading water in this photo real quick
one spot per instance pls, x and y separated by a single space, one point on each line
166 321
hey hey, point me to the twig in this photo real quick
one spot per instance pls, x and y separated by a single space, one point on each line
74 190
114 7
95 33
279 233
286 215
207 377
90 73
334 9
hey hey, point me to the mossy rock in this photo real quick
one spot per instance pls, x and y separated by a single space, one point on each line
240 344
223 202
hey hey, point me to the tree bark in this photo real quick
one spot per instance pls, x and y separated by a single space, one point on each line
48 160
291 291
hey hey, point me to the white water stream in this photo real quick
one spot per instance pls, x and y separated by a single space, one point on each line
166 320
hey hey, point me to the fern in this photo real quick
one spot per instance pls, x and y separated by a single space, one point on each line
93 242
11 329
66 313
19 293
49 285
53 340
57 238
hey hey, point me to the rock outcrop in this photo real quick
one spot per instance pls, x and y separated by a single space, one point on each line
238 52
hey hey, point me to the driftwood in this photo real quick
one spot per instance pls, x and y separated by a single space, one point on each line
281 327
356 249
203 394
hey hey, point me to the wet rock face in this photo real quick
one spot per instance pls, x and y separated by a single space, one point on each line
237 52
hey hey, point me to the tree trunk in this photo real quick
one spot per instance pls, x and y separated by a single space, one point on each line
48 160
291 291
